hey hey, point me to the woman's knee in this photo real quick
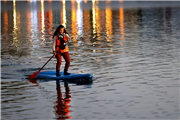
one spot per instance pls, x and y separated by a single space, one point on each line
58 57
68 62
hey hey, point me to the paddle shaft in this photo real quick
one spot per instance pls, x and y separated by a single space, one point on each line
33 75
46 63
48 60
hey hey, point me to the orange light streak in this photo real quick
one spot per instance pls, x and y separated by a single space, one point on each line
73 2
42 20
97 1
108 23
28 23
121 1
86 22
85 1
121 19
63 14
73 24
50 18
94 16
6 25
98 22
108 1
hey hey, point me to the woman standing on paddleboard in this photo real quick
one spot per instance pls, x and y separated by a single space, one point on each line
60 40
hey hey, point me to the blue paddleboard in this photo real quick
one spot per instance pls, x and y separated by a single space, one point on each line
72 76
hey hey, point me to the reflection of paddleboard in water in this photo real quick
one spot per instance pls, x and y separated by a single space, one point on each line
72 76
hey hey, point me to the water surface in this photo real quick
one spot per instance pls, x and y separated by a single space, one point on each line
131 48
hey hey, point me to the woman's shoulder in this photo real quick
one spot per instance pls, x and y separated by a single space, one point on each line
67 35
55 36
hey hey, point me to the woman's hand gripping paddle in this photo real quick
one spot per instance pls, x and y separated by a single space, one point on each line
33 75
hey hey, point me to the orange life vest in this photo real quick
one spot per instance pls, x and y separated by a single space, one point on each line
59 47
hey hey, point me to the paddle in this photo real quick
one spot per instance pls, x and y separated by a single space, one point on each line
33 75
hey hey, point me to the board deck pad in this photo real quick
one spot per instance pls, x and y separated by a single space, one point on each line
52 75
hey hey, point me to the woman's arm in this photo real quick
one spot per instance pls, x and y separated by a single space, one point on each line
68 37
54 44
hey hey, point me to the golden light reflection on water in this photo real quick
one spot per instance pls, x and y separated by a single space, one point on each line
73 24
97 25
16 29
85 1
81 22
73 2
63 14
79 19
97 1
87 32
50 13
6 25
108 1
94 17
108 23
98 21
121 26
14 15
18 43
28 23
121 19
121 1
42 21
33 0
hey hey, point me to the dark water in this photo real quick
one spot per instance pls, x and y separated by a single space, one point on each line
131 48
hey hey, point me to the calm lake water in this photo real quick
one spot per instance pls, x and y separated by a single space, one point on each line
131 48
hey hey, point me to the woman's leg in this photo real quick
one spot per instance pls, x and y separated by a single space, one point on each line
67 59
58 57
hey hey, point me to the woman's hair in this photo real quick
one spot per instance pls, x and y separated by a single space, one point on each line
58 29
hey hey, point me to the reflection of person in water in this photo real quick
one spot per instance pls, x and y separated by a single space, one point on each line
62 107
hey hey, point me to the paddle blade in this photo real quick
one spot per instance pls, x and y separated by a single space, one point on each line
33 75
